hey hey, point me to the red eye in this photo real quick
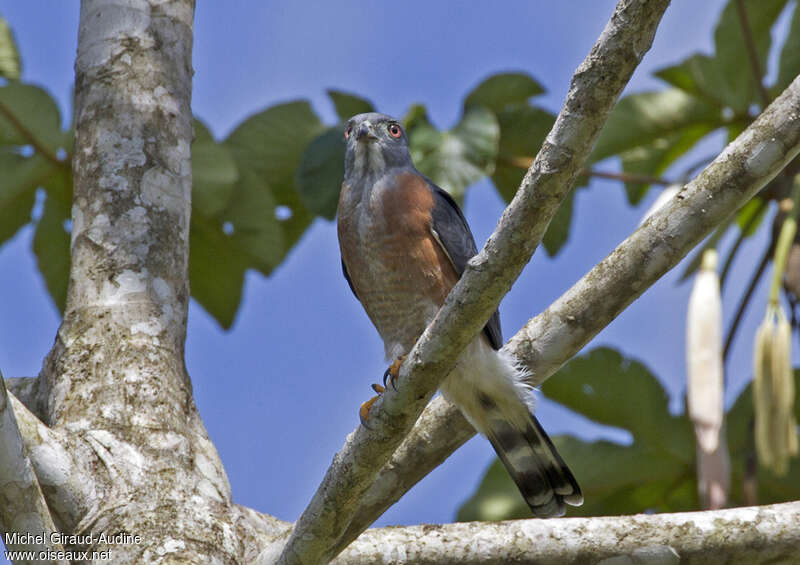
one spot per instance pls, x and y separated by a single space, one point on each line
395 131
348 131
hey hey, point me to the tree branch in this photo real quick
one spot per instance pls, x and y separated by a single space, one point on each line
595 87
440 430
750 535
115 378
62 464
26 390
23 509
553 337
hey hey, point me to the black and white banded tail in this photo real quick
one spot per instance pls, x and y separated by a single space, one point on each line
545 481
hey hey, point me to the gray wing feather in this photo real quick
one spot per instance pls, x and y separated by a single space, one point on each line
451 230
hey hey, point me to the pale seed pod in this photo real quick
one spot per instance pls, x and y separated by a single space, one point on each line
773 393
704 355
762 393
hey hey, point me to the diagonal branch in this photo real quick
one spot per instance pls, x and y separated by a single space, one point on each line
64 466
550 339
23 509
595 87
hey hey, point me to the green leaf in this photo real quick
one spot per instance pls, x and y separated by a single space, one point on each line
731 54
348 105
456 158
647 118
9 56
789 62
615 479
214 173
655 158
497 498
267 148
19 178
51 245
319 176
417 115
271 143
504 89
216 270
607 399
522 131
558 231
29 116
15 212
726 78
255 228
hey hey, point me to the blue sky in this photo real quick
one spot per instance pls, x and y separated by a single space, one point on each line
280 391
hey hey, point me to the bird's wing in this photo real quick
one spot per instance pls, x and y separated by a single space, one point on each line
347 278
450 229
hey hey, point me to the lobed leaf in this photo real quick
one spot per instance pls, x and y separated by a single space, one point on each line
348 105
319 176
214 173
29 116
51 245
456 158
501 90
789 61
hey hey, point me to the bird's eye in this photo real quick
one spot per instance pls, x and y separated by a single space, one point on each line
348 130
395 131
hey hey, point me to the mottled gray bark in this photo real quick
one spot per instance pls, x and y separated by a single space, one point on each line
738 536
115 380
595 87
22 505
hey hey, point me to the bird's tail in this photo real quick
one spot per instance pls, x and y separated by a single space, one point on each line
539 472
490 390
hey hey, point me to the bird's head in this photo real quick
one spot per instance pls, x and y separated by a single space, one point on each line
375 143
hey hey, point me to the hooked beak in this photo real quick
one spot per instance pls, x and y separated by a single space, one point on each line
365 131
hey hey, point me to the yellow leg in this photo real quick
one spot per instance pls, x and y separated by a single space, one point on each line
363 412
393 372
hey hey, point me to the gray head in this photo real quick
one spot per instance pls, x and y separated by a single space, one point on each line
375 143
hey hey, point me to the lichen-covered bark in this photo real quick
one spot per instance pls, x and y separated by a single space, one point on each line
745 536
115 379
22 505
595 86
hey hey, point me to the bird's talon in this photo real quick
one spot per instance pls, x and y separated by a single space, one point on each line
393 372
363 412
378 388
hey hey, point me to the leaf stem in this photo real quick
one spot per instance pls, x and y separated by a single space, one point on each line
526 162
785 241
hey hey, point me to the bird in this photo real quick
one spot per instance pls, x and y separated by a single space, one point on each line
404 244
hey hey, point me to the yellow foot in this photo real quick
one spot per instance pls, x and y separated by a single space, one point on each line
363 412
393 372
